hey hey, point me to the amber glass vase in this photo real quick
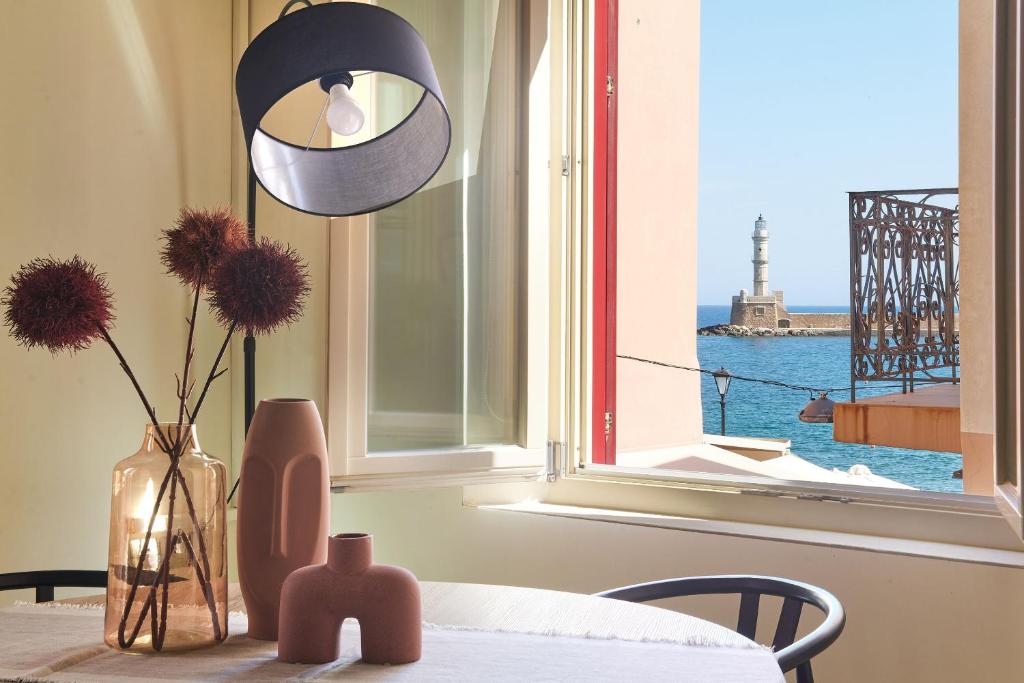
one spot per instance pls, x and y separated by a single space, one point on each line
167 570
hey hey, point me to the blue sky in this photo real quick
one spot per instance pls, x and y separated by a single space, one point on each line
802 101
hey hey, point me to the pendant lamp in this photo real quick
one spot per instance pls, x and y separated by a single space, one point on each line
333 43
328 43
821 409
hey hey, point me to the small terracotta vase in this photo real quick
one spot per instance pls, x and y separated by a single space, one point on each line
283 505
384 599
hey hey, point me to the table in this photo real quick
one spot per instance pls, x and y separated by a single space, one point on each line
471 632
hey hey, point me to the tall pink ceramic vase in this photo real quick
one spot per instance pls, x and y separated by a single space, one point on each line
283 505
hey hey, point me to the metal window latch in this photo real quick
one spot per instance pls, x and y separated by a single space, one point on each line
555 459
565 165
798 496
824 497
609 420
610 85
762 492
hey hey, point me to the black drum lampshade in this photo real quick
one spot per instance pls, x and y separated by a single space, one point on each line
328 43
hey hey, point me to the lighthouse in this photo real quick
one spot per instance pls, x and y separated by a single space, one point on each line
760 308
760 259
763 312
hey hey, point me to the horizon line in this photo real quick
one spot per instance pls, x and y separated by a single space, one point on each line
847 304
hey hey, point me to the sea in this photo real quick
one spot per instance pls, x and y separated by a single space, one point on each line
754 409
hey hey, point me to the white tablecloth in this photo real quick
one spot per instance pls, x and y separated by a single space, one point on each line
491 633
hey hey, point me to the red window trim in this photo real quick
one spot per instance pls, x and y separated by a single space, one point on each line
606 59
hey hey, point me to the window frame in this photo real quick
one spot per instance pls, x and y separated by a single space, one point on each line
351 465
581 469
1008 241
558 371
604 216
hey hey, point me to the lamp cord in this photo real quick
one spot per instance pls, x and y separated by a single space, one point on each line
309 142
316 127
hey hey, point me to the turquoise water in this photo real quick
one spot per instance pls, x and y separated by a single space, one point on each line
760 410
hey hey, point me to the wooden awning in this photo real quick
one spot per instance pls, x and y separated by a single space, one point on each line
926 419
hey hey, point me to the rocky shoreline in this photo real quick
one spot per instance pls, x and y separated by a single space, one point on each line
726 330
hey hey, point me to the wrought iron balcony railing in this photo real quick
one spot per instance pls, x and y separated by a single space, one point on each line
904 286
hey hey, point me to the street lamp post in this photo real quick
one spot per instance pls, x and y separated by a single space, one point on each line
722 380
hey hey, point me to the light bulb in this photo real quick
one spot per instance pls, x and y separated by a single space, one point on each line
344 115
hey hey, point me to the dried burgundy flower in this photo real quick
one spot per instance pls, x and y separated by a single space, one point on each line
61 305
260 288
200 238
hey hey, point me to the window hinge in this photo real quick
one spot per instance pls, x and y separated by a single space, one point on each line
610 85
565 165
609 420
556 459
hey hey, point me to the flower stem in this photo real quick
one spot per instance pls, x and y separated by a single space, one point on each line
205 582
174 451
205 578
162 578
158 637
126 643
174 477
213 373
149 606
189 351
138 389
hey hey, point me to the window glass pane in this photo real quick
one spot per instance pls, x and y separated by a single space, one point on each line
444 263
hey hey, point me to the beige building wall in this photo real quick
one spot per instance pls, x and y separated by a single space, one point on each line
977 300
657 91
115 114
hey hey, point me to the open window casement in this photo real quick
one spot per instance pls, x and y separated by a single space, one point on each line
440 353
1008 208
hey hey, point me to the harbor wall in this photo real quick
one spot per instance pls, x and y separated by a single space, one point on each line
771 313
815 320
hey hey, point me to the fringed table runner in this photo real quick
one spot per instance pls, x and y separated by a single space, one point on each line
471 632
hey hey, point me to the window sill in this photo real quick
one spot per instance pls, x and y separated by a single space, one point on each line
975 532
417 469
832 539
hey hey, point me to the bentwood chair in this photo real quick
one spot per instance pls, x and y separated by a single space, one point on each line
789 654
45 581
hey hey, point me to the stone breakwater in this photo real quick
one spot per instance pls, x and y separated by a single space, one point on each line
726 330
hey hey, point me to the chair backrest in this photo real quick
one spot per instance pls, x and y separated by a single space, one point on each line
795 594
45 581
